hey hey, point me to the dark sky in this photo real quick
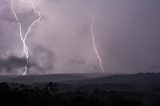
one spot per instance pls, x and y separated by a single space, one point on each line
127 35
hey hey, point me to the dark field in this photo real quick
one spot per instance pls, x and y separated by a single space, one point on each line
141 89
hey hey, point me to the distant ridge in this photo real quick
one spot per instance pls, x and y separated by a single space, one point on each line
48 78
89 78
139 78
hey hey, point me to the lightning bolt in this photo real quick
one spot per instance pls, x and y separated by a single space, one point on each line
92 22
24 37
94 43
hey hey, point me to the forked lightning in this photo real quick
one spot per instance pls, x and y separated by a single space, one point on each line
24 37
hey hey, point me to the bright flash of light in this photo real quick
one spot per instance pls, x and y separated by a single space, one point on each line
93 41
24 37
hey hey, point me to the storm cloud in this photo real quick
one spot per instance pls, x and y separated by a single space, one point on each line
12 64
127 34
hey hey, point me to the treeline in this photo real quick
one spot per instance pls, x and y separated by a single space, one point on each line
48 95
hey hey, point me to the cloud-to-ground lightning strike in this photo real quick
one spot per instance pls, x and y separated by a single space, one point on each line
24 37
93 36
93 41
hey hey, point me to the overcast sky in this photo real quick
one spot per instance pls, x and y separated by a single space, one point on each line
127 35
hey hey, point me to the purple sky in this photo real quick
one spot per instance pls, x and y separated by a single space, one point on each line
127 35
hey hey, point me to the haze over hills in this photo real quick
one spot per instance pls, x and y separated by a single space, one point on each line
85 79
49 78
139 78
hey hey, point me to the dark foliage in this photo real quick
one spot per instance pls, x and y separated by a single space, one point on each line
50 96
